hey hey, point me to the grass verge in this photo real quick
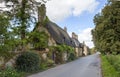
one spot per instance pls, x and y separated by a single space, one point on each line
107 69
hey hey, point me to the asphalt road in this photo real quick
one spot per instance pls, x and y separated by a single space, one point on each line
88 66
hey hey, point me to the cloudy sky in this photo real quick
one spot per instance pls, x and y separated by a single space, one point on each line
76 15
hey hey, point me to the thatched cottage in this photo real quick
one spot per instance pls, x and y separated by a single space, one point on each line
57 35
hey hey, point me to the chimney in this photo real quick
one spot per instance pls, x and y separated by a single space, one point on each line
65 29
75 36
41 13
84 43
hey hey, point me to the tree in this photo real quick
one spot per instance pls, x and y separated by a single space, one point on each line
22 16
106 34
4 24
6 44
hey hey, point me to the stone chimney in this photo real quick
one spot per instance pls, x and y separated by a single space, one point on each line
84 43
75 36
65 29
41 13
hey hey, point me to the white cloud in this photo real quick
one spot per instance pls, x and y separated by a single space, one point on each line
59 10
2 4
85 35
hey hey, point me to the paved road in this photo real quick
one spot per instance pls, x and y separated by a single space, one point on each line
88 66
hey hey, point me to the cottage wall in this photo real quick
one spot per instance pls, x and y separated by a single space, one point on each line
85 50
77 51
80 52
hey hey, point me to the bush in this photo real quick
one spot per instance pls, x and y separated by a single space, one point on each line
28 62
46 64
50 62
72 57
9 72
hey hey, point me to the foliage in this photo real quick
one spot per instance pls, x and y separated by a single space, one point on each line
6 55
4 24
106 35
114 60
39 40
46 64
50 62
93 50
64 48
46 21
5 40
21 13
43 66
107 69
10 72
60 49
72 57
28 62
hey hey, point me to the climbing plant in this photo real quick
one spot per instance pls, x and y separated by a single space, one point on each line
39 40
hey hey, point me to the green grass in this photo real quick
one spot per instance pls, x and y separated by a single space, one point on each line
107 69
114 60
10 72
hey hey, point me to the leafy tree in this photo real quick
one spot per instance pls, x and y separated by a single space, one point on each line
4 25
22 13
106 35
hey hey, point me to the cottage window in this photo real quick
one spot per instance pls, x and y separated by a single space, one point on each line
63 39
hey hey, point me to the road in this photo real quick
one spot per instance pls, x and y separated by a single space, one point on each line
88 66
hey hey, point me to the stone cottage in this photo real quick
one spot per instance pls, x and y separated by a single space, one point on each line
77 45
86 50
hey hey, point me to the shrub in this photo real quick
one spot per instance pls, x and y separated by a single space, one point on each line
43 66
46 64
72 57
9 72
28 62
50 62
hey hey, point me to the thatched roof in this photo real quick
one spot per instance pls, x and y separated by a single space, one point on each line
58 34
76 43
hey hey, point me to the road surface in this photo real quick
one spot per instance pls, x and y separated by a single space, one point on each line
88 66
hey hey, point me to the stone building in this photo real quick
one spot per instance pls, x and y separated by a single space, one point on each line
77 45
86 50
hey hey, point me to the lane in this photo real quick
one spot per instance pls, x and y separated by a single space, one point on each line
88 66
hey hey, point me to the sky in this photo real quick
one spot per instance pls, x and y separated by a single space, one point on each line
76 15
